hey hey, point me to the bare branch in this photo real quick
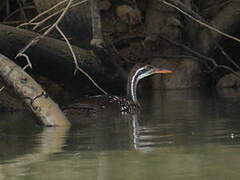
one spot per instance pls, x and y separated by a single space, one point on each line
200 21
77 68
201 56
15 12
228 57
29 64
2 88
34 41
50 16
45 12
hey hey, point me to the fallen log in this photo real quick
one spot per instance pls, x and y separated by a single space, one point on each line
51 58
36 99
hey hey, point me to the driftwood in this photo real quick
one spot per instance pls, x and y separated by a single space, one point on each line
32 94
51 58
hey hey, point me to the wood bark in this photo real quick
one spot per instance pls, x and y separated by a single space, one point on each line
32 94
51 58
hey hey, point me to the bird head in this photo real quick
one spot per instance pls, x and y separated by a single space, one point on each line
148 70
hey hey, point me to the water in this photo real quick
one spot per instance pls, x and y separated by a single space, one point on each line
180 135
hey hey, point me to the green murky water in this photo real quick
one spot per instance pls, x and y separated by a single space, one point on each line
180 135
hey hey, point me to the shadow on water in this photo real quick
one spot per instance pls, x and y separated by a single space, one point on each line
179 135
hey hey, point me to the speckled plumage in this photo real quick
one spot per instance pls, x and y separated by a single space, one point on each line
105 103
111 103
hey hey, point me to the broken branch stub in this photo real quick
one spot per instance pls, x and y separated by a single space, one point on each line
32 94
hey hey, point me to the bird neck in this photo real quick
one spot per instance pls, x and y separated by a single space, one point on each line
132 83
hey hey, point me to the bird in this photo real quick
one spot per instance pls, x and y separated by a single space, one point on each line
111 103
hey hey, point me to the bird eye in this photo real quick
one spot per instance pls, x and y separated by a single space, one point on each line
148 67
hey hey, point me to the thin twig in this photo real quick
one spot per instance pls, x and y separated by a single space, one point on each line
46 19
48 10
228 57
50 16
201 22
38 38
2 88
199 55
189 50
77 68
27 24
22 9
217 5
44 28
55 25
16 11
29 64
227 68
204 23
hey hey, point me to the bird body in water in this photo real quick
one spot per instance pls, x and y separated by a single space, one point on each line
111 103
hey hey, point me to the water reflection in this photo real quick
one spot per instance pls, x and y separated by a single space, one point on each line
179 135
49 141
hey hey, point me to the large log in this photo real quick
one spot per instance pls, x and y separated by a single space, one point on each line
51 58
32 94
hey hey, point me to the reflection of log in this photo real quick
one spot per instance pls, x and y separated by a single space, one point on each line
32 94
52 58
49 141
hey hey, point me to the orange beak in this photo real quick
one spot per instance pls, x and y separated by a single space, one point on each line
162 71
